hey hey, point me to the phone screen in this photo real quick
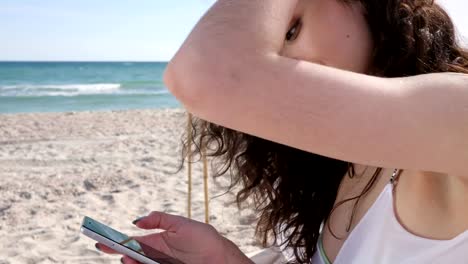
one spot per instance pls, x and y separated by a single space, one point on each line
128 242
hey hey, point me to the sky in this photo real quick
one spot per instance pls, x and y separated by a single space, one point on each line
114 30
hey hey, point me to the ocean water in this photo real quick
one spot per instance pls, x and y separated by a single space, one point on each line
82 86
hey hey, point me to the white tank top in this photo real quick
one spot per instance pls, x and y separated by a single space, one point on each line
380 238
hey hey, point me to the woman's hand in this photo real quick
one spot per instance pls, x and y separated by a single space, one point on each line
186 240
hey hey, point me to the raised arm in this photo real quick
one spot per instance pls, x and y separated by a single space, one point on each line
230 72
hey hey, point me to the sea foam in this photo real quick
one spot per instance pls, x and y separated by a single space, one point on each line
59 90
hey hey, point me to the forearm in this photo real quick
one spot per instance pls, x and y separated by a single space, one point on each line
231 35
233 255
242 24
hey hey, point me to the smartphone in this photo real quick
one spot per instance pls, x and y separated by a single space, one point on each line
124 244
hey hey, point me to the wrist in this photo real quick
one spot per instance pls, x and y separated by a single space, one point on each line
231 254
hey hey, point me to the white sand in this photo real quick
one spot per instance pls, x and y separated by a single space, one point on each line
113 166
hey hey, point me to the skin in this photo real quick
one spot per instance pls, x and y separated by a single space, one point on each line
332 34
337 35
345 114
330 108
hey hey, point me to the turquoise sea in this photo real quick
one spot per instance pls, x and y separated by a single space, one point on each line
82 86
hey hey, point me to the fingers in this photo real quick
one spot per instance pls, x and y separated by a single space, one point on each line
105 249
128 260
159 220
152 242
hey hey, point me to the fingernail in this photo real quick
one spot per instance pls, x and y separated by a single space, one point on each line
138 220
97 247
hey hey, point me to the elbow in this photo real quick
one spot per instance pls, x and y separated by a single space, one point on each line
171 82
195 80
181 81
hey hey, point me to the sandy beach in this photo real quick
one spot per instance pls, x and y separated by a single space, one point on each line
114 166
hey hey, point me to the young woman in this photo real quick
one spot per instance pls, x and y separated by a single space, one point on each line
351 115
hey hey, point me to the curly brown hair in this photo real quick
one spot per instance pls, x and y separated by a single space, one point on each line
294 191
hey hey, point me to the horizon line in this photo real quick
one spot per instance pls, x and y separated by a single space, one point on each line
122 61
